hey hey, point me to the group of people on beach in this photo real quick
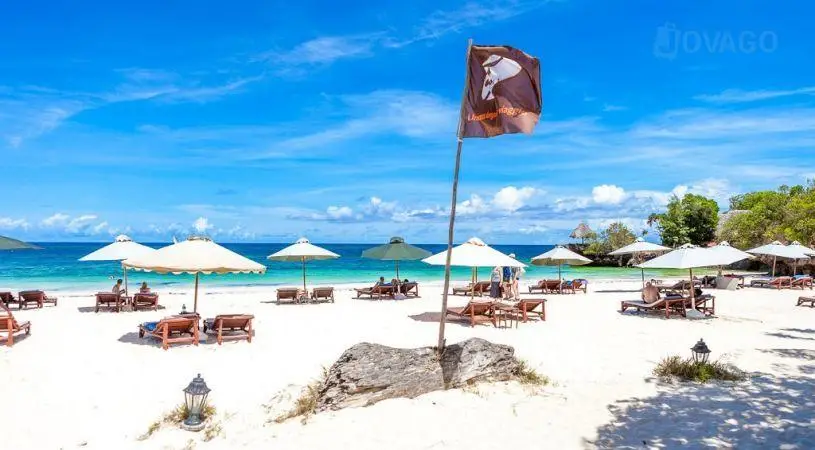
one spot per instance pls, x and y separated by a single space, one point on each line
504 281
119 289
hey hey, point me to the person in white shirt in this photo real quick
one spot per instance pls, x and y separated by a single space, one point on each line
117 288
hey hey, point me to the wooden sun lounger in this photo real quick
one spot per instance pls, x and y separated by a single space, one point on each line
668 304
294 294
479 288
545 286
172 330
802 282
410 289
802 300
109 300
778 282
38 298
679 286
323 294
7 298
474 312
528 306
145 301
230 323
377 290
10 326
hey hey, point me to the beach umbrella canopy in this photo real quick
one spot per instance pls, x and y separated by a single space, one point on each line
640 246
691 257
196 255
557 257
302 251
802 248
396 250
7 243
725 249
474 253
778 250
122 248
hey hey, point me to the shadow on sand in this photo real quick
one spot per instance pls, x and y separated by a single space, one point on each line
764 412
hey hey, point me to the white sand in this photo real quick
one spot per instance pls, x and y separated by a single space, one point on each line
86 380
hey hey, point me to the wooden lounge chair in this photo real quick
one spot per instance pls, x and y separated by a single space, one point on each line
290 295
410 289
7 298
680 286
319 294
801 282
38 298
479 288
528 306
377 290
667 304
474 312
780 283
172 330
145 301
230 323
803 300
580 285
109 300
10 326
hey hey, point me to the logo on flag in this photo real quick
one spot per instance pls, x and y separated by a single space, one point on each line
503 92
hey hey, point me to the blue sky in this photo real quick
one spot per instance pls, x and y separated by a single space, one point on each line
267 120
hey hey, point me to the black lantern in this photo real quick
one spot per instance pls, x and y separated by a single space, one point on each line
195 398
700 352
183 310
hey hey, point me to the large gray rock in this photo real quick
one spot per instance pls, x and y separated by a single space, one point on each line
368 373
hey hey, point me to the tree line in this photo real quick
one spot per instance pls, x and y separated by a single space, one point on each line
785 214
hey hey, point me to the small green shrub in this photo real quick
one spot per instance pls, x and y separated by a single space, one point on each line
689 370
212 431
175 417
528 375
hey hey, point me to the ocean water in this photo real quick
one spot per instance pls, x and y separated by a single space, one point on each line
56 267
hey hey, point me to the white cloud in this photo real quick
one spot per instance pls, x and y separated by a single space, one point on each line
7 223
202 225
608 194
740 96
474 205
611 108
533 229
511 198
339 212
56 219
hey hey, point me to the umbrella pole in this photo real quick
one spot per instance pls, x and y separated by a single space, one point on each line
559 279
692 291
774 259
643 276
397 270
195 305
304 273
124 267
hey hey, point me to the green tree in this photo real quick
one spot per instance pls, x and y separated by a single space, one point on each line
616 235
691 219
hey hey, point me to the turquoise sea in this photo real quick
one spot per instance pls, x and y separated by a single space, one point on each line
56 267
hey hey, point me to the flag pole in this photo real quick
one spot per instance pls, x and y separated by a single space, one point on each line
460 138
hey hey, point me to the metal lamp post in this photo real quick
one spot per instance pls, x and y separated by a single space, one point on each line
700 352
195 398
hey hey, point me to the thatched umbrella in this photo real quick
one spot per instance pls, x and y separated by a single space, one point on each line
581 232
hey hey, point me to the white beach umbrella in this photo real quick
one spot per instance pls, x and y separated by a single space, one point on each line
726 250
778 250
691 257
473 253
302 251
196 255
639 247
557 257
803 249
122 248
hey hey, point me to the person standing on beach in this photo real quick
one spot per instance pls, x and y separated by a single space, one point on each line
517 281
507 281
495 282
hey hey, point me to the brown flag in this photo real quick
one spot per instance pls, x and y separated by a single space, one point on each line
503 92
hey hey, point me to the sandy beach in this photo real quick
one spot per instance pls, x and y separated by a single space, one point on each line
86 380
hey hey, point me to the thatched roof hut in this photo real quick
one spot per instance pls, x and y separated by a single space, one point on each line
581 232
